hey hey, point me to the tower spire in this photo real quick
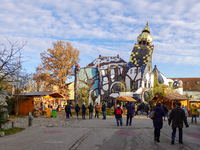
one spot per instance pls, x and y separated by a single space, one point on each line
146 28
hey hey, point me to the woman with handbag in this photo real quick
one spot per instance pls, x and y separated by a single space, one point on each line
158 121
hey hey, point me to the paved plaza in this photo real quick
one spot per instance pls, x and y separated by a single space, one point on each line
96 134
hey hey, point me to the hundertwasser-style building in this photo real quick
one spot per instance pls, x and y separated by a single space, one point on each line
107 78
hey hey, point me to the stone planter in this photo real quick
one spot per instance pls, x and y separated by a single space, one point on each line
2 134
8 125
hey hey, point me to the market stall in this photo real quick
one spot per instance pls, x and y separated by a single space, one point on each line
170 99
38 102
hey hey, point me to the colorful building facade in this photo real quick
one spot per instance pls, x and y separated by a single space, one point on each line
107 78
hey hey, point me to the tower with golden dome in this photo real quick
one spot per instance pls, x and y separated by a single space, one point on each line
140 63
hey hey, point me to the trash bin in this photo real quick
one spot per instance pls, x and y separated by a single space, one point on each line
54 113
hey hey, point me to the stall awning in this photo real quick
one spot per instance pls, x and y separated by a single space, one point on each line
43 93
56 95
125 99
48 97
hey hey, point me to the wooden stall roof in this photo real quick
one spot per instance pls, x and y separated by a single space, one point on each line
173 97
125 99
42 93
56 95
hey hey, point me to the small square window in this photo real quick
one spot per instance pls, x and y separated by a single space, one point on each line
197 82
187 82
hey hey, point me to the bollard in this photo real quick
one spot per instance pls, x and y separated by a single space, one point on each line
30 119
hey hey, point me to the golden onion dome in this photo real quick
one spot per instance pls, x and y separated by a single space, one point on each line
145 36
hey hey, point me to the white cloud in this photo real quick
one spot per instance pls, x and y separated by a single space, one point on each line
105 27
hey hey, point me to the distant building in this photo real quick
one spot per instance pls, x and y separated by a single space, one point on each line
191 87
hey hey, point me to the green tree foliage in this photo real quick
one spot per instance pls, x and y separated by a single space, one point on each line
83 95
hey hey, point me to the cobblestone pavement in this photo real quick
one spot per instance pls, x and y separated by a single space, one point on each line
59 121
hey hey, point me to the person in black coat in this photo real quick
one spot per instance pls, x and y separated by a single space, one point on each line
67 110
83 111
118 115
130 113
177 117
147 110
142 108
90 107
103 108
158 121
166 112
77 108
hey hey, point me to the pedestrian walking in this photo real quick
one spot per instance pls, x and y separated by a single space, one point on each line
130 112
67 110
103 108
158 121
71 107
199 112
147 110
186 111
83 111
136 109
142 108
166 112
90 107
118 115
42 108
177 117
97 109
77 109
194 112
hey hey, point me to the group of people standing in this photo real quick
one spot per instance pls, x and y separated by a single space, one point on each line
130 114
97 107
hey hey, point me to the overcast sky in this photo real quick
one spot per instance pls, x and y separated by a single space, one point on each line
108 28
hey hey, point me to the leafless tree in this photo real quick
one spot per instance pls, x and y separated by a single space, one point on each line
9 59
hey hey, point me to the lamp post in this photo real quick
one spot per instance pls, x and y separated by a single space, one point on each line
77 68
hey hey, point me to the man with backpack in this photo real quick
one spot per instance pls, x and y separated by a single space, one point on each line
118 115
130 112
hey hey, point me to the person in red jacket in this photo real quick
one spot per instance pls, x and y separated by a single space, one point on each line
118 115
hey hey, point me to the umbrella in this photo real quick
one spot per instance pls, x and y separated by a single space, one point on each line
125 99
